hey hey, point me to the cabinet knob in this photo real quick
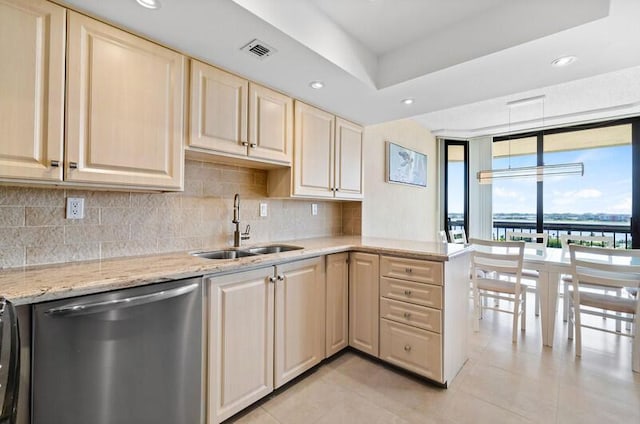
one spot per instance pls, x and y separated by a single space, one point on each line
408 270
253 145
55 163
407 292
337 189
407 348
245 143
280 277
272 279
73 165
407 315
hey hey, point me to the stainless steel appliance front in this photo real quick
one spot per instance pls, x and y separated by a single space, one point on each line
132 356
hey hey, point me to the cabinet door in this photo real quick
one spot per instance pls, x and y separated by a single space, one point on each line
125 100
300 337
337 299
313 152
218 110
363 302
32 37
349 170
240 341
270 125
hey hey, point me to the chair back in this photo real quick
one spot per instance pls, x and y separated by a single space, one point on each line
537 241
599 266
442 236
458 236
497 258
599 241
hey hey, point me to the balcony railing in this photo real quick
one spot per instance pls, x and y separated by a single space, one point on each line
621 233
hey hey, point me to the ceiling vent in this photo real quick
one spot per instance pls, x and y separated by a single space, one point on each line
259 49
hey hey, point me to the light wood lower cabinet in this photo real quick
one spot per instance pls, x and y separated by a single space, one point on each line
363 302
32 47
241 341
300 314
266 327
337 300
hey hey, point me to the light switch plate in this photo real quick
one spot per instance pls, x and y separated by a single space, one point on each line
314 209
75 208
263 209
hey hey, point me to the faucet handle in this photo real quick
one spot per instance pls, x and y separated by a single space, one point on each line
245 235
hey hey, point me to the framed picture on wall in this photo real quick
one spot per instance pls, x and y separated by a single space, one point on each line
405 166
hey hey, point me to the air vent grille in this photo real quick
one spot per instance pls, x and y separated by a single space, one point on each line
259 49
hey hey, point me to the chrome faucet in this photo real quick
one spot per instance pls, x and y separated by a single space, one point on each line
237 236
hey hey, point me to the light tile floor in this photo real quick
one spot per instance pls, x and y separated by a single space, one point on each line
501 383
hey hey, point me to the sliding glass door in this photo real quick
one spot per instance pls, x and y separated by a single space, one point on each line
456 178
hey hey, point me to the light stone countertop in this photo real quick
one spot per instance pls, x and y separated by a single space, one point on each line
50 282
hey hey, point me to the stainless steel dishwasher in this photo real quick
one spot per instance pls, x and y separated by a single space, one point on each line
131 356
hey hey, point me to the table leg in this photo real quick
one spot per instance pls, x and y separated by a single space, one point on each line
548 292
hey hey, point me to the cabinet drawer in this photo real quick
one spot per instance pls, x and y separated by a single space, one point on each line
408 291
411 348
406 313
411 269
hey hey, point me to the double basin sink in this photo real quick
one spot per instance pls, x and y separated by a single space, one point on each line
241 253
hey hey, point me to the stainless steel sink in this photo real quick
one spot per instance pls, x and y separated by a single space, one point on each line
252 251
274 248
223 254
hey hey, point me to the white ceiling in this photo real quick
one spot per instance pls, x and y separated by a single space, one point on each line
461 60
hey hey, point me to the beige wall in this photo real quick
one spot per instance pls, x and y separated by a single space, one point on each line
398 210
33 228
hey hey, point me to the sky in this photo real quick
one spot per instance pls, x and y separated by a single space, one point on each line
604 188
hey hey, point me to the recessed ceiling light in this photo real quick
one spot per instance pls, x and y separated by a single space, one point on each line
408 101
564 61
316 85
149 4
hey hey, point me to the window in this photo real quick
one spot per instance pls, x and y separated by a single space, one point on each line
456 185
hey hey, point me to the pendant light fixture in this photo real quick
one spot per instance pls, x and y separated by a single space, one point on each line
538 172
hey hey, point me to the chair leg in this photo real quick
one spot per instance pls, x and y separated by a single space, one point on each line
523 318
477 310
570 319
635 352
565 302
618 321
516 310
537 298
578 329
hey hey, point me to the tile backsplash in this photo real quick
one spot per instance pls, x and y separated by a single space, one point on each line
33 228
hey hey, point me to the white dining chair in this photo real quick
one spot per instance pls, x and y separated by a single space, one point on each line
442 236
458 236
609 269
496 271
533 241
565 241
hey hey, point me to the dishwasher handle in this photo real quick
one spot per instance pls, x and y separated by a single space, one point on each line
127 302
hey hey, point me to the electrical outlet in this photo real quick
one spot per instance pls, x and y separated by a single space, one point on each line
314 209
263 209
75 208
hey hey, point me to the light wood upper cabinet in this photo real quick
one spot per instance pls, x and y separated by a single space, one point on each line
348 169
328 160
234 118
337 301
240 341
300 315
314 155
363 302
32 47
218 110
270 124
125 99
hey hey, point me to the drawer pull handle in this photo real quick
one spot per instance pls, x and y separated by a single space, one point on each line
407 315
244 143
272 279
55 163
73 165
407 293
408 270
407 348
280 277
